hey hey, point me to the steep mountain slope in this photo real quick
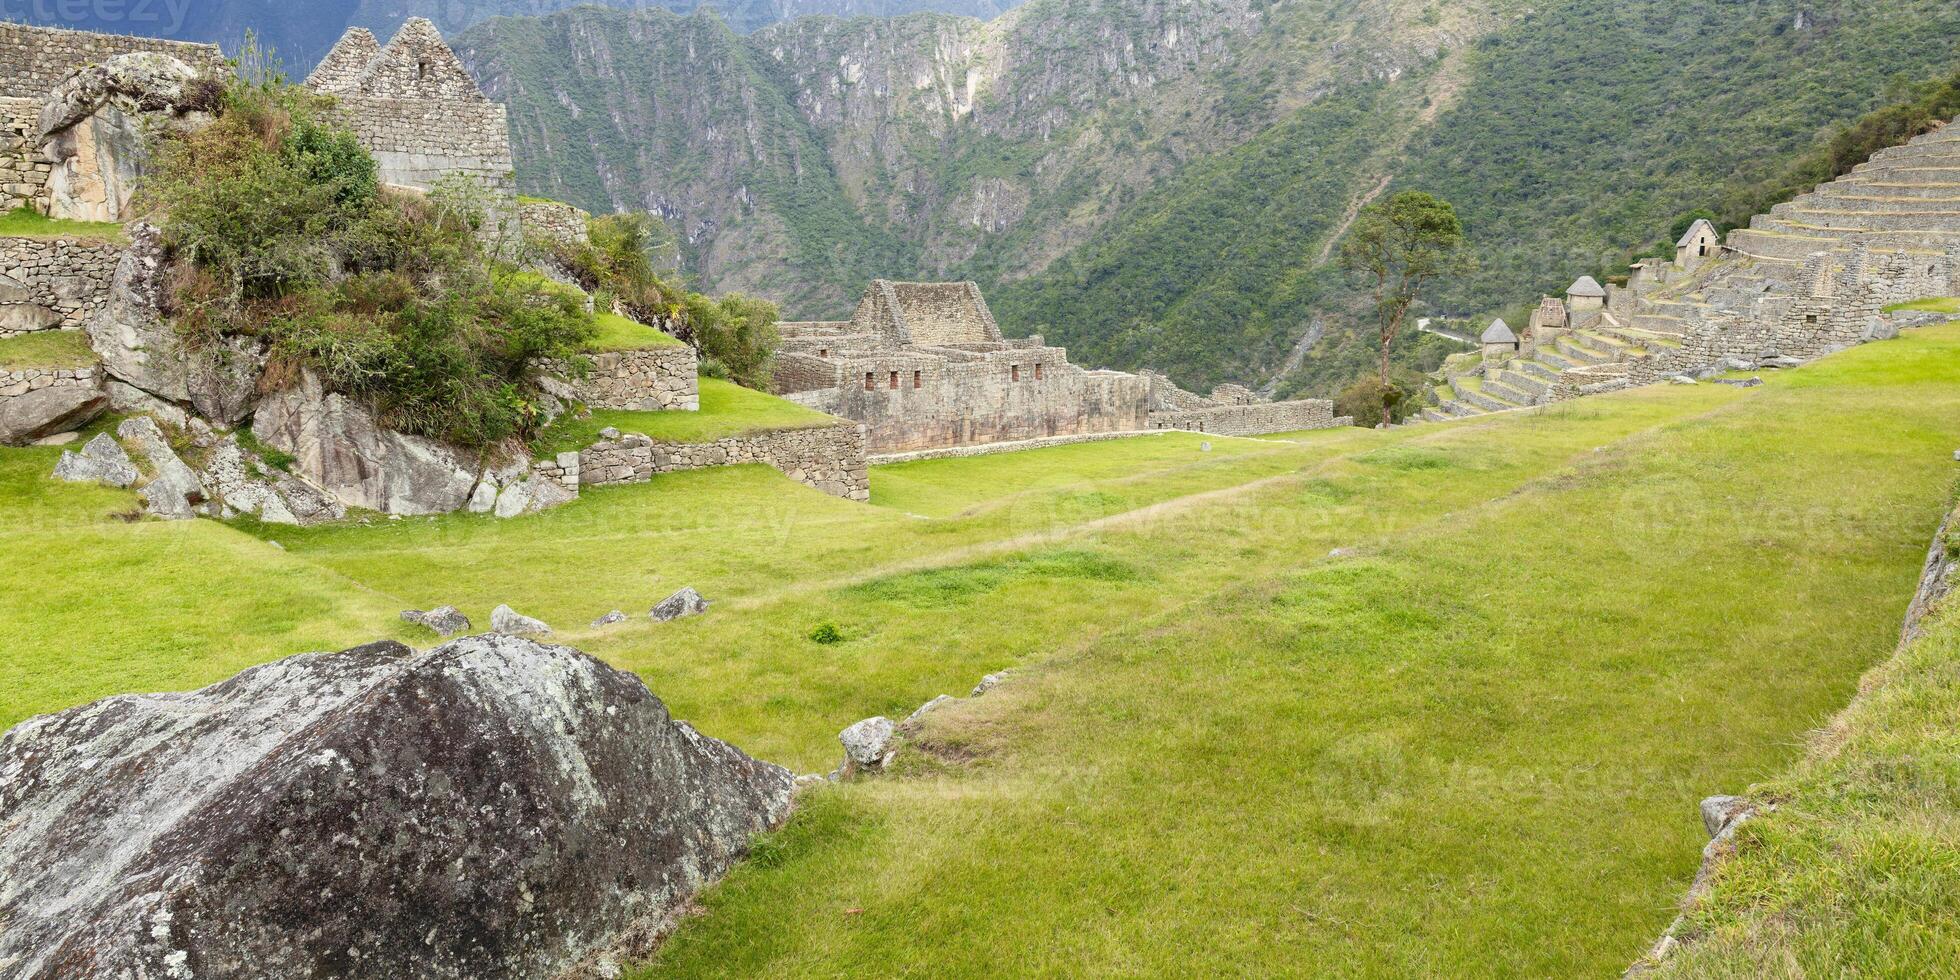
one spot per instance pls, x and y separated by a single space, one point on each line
983 149
302 32
1155 183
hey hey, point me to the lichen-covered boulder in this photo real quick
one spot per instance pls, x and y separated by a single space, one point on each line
869 743
337 446
492 809
510 622
446 620
140 349
101 461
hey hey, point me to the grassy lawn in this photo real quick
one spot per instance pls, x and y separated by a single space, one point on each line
727 409
47 349
1945 305
1468 743
618 333
28 223
1856 865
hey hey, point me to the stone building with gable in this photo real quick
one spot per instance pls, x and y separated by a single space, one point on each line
925 366
421 114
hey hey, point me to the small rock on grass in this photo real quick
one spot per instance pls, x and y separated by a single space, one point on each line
510 622
686 602
446 620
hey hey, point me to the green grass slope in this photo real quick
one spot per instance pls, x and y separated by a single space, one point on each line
1468 743
1853 872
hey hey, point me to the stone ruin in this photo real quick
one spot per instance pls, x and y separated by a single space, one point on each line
1812 277
924 365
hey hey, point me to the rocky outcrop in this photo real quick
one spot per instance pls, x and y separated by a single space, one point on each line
510 622
1941 575
101 461
139 349
869 744
337 446
93 131
47 410
495 808
174 492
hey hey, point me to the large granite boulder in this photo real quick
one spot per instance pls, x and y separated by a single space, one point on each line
141 350
93 131
338 447
495 808
47 411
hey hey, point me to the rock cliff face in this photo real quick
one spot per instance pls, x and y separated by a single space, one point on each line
493 808
818 153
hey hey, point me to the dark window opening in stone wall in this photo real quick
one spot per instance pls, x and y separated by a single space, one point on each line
1016 375
918 379
870 381
894 380
1037 372
823 352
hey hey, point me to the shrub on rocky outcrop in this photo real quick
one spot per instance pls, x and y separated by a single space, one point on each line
277 228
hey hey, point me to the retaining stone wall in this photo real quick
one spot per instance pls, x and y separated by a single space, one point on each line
34 59
994 448
553 221
655 379
1252 420
58 283
830 458
23 172
19 381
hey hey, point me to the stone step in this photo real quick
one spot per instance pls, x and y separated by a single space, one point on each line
1460 410
1904 177
1433 415
1579 354
1556 361
1893 155
1870 204
1661 323
1511 397
1884 191
1777 245
1540 370
1522 382
1947 222
1928 240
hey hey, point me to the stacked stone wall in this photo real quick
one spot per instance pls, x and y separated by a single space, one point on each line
54 283
932 397
654 379
23 171
554 222
34 59
798 372
15 382
829 458
1253 420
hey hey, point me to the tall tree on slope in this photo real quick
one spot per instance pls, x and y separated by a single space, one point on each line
1398 247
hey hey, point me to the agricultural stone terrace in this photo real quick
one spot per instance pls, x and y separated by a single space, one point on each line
1815 275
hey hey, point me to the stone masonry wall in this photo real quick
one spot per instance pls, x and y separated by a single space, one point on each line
19 381
51 284
1253 420
553 221
830 458
23 172
34 59
654 379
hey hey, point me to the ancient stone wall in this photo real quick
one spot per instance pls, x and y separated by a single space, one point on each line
829 458
995 448
653 379
15 382
1253 420
920 398
53 284
554 221
34 59
23 171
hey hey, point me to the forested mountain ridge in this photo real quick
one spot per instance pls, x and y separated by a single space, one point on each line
943 145
1154 183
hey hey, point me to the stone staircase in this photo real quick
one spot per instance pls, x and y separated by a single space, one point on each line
1589 354
1904 198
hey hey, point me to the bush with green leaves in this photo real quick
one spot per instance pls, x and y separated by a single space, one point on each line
278 227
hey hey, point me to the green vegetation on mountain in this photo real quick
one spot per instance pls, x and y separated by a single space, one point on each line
1155 186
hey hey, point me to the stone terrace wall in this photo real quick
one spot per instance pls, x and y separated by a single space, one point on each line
34 59
830 458
553 221
654 379
1253 420
49 284
23 172
15 382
